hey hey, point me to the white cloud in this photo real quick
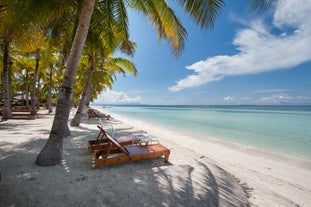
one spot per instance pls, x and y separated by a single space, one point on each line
283 98
116 97
260 50
276 98
229 98
269 91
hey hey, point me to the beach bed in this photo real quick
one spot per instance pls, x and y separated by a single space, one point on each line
102 142
116 153
93 113
23 113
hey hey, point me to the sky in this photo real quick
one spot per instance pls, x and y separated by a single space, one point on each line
256 59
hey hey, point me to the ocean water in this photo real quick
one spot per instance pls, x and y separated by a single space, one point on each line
280 129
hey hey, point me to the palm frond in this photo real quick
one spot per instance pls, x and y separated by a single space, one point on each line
204 12
261 5
164 20
121 65
128 47
110 21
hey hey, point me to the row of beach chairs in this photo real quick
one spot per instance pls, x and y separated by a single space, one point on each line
23 113
93 113
109 150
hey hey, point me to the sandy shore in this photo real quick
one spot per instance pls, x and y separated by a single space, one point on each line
200 172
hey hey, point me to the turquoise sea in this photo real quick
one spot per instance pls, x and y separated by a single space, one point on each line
280 129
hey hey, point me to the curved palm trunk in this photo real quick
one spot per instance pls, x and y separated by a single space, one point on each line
35 77
51 153
38 90
49 104
7 113
89 95
77 118
27 88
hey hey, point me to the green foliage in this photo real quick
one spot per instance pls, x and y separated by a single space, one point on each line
48 27
261 5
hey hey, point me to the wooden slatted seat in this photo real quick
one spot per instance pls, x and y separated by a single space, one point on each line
23 112
101 142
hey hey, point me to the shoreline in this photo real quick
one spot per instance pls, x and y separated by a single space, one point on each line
208 138
273 170
199 173
287 138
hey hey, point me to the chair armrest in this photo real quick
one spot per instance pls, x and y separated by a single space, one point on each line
148 142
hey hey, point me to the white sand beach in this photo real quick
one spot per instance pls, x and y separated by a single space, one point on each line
199 173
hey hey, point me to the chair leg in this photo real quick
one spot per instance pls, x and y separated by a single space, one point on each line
166 158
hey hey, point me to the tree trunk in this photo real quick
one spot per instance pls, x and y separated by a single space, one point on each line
38 90
27 88
35 76
89 95
77 118
49 104
51 153
7 112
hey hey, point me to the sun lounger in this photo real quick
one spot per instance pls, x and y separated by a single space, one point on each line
23 113
93 113
107 126
115 153
101 142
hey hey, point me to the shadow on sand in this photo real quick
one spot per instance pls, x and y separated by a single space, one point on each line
140 183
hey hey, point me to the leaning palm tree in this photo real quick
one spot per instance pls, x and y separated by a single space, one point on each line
109 66
163 19
51 153
102 80
99 47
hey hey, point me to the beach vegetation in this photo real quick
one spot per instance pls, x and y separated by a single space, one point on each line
22 34
56 40
97 56
164 20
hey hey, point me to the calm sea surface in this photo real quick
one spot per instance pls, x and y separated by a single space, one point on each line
281 129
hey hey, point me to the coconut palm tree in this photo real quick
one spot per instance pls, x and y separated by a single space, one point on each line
104 38
52 151
34 43
25 64
7 26
52 60
110 66
168 27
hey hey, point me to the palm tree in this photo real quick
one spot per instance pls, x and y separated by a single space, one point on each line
99 48
6 32
14 18
109 67
162 18
168 27
51 63
52 151
24 64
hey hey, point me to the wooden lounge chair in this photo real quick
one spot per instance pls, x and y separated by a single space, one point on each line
93 113
23 113
101 142
115 153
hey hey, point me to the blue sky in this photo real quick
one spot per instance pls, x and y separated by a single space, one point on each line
246 59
